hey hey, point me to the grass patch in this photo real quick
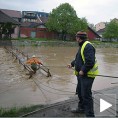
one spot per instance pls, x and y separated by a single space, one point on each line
36 39
16 112
102 42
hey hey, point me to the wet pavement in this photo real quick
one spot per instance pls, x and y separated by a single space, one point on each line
64 108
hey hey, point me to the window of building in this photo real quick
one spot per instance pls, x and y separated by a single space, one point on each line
28 20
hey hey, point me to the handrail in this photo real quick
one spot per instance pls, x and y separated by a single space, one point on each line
20 62
25 66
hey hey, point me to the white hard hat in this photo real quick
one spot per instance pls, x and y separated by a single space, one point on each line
33 56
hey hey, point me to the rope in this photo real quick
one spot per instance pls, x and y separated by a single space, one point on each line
102 75
63 80
40 90
107 76
55 88
114 83
54 92
89 74
57 66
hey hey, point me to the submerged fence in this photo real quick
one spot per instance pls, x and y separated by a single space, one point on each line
6 43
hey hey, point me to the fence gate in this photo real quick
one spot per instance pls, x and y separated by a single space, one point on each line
33 34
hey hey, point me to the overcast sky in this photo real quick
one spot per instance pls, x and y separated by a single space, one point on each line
94 11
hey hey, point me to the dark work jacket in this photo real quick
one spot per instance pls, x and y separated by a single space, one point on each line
89 54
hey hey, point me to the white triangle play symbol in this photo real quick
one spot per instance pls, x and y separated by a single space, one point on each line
104 105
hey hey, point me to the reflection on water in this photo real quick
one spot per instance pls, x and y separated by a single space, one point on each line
62 84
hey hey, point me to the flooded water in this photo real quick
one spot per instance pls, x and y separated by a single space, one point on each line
17 90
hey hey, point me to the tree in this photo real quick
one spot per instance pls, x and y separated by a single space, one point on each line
64 20
7 29
111 30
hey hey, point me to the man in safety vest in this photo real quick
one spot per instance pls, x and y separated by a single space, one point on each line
34 62
86 69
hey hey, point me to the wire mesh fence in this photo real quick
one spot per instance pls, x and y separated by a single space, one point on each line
6 43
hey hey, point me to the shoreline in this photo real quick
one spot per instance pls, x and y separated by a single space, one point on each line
97 44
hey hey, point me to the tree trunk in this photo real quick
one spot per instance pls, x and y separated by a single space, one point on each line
63 35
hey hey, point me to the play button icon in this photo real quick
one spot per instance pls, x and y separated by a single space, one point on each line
104 105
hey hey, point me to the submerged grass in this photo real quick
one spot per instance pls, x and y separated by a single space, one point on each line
16 112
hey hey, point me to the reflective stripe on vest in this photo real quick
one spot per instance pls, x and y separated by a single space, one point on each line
94 71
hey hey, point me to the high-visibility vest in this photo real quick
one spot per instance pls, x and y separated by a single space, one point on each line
94 71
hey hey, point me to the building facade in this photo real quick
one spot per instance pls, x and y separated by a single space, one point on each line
92 35
8 26
17 16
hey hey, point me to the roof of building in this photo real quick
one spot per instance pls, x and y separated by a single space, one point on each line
115 19
101 31
5 18
44 19
97 35
12 13
31 24
25 24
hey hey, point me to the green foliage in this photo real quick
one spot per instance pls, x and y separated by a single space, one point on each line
64 20
7 29
111 30
15 112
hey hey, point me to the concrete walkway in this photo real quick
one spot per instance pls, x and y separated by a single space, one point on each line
63 109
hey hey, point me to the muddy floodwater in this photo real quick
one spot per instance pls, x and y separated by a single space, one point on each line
17 90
